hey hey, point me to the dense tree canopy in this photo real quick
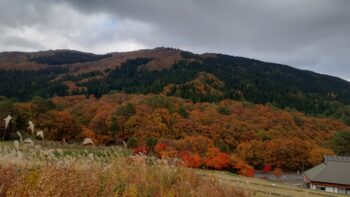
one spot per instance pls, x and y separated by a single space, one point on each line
341 143
197 77
224 135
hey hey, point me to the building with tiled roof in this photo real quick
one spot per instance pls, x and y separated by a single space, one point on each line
333 175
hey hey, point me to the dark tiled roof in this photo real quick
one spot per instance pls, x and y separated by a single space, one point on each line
336 158
335 169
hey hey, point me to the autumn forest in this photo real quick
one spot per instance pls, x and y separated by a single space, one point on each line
230 135
212 111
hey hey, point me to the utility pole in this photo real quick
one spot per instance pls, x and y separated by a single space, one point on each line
302 168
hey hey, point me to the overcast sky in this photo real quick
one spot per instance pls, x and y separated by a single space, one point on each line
308 34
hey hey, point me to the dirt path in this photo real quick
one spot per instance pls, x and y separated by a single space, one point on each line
266 188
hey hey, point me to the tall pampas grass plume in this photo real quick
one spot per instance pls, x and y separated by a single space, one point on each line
40 134
31 127
88 141
20 136
7 121
16 144
28 141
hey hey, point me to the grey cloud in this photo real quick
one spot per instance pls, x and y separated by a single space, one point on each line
312 34
14 42
23 13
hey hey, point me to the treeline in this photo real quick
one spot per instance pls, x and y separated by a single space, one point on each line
67 57
23 85
215 135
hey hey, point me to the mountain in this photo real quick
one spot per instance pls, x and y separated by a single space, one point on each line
172 72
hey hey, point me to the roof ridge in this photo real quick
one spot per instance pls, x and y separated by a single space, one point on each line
320 172
319 169
336 158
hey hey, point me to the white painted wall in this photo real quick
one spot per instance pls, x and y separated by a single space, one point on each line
330 189
335 190
312 186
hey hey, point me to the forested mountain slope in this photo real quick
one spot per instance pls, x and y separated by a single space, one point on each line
206 77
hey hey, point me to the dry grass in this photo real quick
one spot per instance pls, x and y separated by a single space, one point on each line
38 172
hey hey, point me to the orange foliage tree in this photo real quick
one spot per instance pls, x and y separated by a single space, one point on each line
216 160
287 153
59 125
191 160
252 152
196 144
241 166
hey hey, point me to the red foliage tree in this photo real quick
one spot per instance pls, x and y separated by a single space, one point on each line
160 148
216 159
191 160
267 168
140 150
247 170
241 166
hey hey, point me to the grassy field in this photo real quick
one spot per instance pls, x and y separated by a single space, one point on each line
52 169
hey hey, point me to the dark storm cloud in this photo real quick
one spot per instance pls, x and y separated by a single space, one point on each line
312 34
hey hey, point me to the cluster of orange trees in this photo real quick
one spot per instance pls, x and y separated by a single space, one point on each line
224 135
195 152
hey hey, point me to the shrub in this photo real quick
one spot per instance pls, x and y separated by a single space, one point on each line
183 112
278 172
151 142
133 142
267 168
140 150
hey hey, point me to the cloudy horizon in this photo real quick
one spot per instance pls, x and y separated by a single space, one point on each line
310 35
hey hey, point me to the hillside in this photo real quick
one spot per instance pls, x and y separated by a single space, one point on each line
228 135
174 73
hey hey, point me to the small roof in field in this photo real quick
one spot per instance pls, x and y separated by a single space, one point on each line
335 169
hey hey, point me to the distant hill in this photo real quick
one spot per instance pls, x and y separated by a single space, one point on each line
172 72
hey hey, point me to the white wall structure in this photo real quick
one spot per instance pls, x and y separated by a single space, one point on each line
329 189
